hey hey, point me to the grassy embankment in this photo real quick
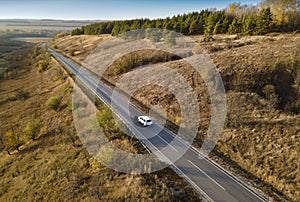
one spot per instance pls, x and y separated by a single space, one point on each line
261 76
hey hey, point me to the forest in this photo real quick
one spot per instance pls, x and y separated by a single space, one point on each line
269 16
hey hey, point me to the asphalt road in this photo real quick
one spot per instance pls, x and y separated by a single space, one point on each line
209 179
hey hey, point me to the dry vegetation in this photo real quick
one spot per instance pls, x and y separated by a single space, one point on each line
17 50
51 163
77 47
262 79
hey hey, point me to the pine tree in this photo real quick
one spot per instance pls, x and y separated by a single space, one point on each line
264 21
109 28
209 28
159 24
218 28
115 30
167 25
135 25
225 25
184 28
176 27
209 22
235 27
249 25
75 32
193 29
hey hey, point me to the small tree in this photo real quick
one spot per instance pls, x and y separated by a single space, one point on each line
76 32
13 141
194 27
32 129
235 27
264 21
250 25
116 30
218 28
225 25
209 27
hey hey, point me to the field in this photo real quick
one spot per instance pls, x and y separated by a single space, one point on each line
51 163
38 28
261 75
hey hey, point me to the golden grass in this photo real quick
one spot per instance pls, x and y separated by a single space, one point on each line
55 166
259 136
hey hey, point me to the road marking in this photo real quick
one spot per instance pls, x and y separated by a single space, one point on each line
231 176
193 183
207 175
69 64
167 143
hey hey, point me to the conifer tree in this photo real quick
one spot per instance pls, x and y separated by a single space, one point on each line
250 25
218 28
264 21
235 27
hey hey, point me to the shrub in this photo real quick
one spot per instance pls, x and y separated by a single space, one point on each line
43 65
54 102
270 93
72 53
268 90
32 129
13 141
22 95
60 35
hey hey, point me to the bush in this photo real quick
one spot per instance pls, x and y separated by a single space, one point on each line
43 65
270 93
72 53
13 141
22 95
60 35
54 102
32 129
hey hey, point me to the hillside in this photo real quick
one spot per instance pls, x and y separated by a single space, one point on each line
51 163
261 76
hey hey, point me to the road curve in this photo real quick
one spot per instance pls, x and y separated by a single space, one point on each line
212 181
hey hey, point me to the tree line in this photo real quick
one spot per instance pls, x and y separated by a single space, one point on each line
269 16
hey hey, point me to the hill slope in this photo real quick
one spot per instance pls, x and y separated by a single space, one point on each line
261 76
55 166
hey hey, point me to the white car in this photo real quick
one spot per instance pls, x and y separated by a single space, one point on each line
145 121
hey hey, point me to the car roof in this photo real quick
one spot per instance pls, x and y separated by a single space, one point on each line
146 118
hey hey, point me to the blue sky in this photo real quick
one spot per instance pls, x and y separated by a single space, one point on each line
106 10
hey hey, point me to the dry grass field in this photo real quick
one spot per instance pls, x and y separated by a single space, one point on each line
54 166
262 79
